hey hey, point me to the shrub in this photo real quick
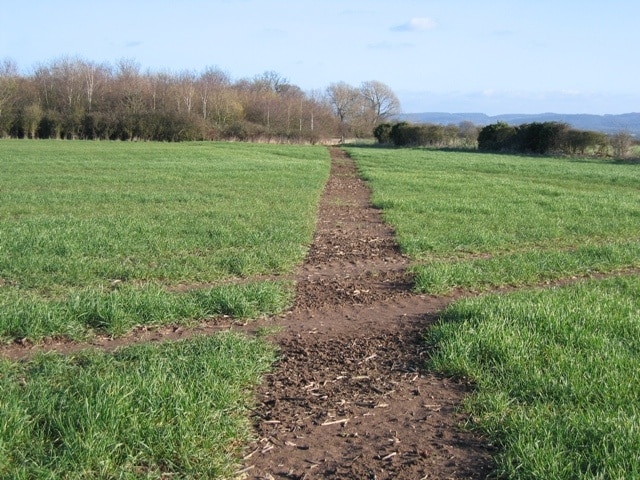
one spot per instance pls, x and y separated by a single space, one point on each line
580 142
541 138
621 144
383 133
496 137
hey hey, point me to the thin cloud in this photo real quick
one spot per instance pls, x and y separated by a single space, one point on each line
417 24
133 44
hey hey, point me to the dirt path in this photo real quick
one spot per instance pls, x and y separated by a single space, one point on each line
349 398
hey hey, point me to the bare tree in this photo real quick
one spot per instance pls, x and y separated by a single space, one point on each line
271 80
95 77
344 99
161 85
346 103
129 88
63 94
621 143
382 104
129 85
210 83
61 84
8 93
68 74
468 133
187 90
75 98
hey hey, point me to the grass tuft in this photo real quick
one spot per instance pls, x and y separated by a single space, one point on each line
555 372
115 312
149 411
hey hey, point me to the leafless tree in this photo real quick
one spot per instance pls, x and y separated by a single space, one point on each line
76 98
468 133
346 102
187 91
210 84
8 93
381 103
621 143
95 76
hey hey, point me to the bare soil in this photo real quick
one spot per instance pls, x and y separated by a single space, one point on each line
349 397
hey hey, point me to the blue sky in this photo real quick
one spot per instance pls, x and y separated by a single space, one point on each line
492 56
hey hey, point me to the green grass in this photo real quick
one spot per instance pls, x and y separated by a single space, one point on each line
78 217
24 315
555 369
556 376
525 268
176 410
478 220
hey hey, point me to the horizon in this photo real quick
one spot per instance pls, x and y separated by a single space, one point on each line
609 124
434 112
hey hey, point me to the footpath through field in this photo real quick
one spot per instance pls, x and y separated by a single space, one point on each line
349 398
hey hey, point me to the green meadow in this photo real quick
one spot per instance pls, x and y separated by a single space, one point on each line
103 236
554 368
174 410
479 221
100 237
556 376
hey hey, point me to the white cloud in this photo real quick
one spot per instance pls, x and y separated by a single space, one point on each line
417 24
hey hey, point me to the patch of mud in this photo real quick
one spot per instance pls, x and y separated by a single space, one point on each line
349 398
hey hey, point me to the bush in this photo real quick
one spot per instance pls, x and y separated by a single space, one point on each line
496 137
580 142
621 144
404 134
540 138
383 133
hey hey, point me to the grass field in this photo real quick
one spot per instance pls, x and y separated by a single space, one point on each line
101 237
104 236
555 369
176 410
478 221
556 376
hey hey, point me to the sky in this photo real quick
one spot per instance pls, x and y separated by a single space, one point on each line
491 56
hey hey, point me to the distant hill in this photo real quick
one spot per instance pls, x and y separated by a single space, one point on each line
629 122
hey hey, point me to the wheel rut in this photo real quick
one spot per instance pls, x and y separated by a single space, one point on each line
349 397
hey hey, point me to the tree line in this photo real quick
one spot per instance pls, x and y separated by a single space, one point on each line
73 98
542 138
